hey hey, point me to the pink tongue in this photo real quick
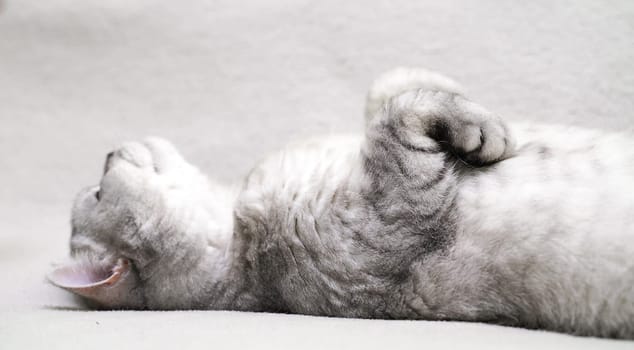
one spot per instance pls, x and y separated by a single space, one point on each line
83 276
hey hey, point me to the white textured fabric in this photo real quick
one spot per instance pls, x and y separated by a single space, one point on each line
229 82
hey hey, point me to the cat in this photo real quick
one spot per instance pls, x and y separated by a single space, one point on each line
440 211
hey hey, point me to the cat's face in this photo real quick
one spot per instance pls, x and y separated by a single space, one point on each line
133 232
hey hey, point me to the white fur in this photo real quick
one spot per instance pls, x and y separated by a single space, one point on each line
544 237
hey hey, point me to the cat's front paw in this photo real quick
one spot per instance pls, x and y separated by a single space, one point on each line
474 134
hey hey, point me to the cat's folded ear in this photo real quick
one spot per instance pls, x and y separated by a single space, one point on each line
109 286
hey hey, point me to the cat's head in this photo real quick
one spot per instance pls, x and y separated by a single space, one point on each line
139 237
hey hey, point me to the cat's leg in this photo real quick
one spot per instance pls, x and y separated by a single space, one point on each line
409 159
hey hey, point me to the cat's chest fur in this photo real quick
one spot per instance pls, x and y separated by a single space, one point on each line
314 237
315 240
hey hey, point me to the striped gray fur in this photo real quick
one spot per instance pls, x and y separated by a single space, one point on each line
434 213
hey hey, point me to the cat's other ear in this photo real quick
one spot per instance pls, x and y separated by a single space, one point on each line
114 286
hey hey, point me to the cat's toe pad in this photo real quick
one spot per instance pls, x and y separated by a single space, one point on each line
481 138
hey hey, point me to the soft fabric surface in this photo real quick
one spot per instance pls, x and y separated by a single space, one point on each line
229 82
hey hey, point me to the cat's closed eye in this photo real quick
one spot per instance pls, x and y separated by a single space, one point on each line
98 194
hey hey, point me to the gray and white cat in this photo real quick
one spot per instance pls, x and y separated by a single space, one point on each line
436 213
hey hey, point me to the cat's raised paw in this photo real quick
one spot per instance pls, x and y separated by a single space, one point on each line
476 135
